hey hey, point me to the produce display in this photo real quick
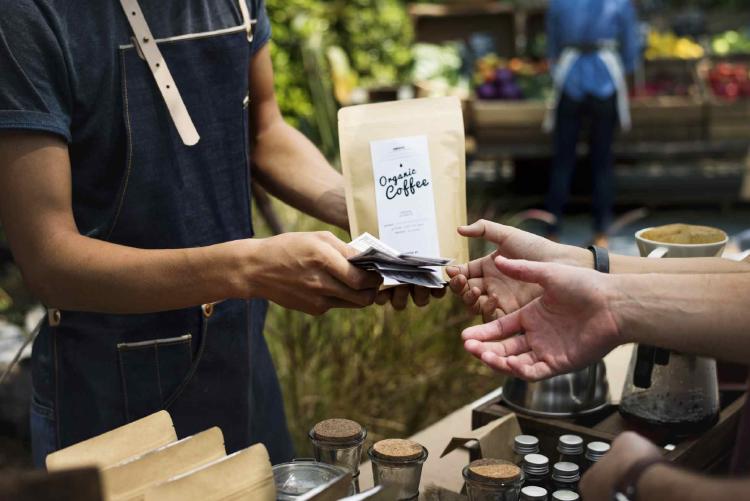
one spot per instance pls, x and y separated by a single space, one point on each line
438 68
665 82
667 45
729 80
512 79
731 42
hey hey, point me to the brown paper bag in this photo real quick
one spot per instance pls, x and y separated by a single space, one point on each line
129 480
394 156
246 474
110 448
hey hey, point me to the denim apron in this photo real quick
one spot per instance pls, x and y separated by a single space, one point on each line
207 365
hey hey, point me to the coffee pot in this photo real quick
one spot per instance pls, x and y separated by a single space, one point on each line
675 393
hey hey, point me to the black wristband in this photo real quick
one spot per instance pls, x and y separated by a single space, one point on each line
601 258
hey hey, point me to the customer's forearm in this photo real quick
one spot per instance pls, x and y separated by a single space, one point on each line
706 314
84 274
667 483
291 168
632 264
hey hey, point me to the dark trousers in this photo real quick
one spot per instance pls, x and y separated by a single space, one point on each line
601 115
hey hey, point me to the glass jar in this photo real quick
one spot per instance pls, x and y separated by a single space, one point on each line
565 476
536 469
570 448
493 480
594 452
565 495
523 445
398 463
533 493
339 442
295 479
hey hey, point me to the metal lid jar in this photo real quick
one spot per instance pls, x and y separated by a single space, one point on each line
533 493
398 463
595 451
493 480
565 495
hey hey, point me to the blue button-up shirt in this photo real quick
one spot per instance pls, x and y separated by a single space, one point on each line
581 22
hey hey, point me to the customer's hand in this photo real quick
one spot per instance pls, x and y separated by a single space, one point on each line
399 296
309 272
488 292
568 327
599 483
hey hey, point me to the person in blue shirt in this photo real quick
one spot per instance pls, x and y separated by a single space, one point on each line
592 45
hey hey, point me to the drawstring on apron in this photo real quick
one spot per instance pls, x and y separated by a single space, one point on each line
607 52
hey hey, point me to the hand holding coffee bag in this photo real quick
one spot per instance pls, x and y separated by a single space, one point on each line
404 163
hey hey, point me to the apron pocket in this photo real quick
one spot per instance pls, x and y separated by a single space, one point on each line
152 371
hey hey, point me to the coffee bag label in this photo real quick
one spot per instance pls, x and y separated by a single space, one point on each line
404 195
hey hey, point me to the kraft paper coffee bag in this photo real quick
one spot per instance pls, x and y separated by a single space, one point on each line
404 163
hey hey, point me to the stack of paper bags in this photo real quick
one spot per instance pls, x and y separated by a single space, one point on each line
143 461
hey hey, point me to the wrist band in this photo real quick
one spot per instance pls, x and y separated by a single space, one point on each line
626 488
601 258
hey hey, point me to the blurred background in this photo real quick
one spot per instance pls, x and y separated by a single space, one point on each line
686 160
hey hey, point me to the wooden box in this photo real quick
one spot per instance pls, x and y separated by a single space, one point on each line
509 122
709 452
728 120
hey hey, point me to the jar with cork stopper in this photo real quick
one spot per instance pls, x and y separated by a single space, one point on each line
398 463
338 442
493 480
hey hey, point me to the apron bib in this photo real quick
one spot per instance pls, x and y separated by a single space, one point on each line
185 185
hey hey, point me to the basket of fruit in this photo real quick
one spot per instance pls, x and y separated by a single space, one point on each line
510 99
668 104
727 86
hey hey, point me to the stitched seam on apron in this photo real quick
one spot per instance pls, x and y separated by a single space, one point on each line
124 387
128 153
58 438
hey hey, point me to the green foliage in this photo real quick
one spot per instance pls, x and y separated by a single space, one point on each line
375 33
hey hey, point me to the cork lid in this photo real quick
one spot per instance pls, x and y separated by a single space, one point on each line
397 449
494 470
337 430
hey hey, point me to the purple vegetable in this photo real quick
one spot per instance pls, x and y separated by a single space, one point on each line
504 75
487 91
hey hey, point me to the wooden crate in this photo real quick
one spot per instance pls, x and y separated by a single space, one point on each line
726 120
437 23
708 452
508 122
667 118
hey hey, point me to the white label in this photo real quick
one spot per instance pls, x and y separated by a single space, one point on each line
403 194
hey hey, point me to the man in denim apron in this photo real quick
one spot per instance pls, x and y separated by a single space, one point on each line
126 130
593 44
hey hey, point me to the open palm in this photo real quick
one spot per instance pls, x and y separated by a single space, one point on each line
486 290
567 328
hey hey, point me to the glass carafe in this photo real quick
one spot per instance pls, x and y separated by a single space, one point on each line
674 395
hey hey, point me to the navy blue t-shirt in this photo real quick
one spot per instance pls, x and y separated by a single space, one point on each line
60 73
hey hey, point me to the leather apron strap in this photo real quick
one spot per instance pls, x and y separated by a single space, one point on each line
163 77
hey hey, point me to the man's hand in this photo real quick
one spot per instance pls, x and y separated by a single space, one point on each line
567 328
309 272
599 483
488 292
399 296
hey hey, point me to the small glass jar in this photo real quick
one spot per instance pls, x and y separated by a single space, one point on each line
536 469
398 463
533 493
338 442
565 495
493 480
570 448
594 452
523 445
565 476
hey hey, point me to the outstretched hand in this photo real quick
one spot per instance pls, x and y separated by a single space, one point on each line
486 290
568 327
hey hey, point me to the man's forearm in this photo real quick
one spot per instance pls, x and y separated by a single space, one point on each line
291 168
667 483
705 314
84 274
